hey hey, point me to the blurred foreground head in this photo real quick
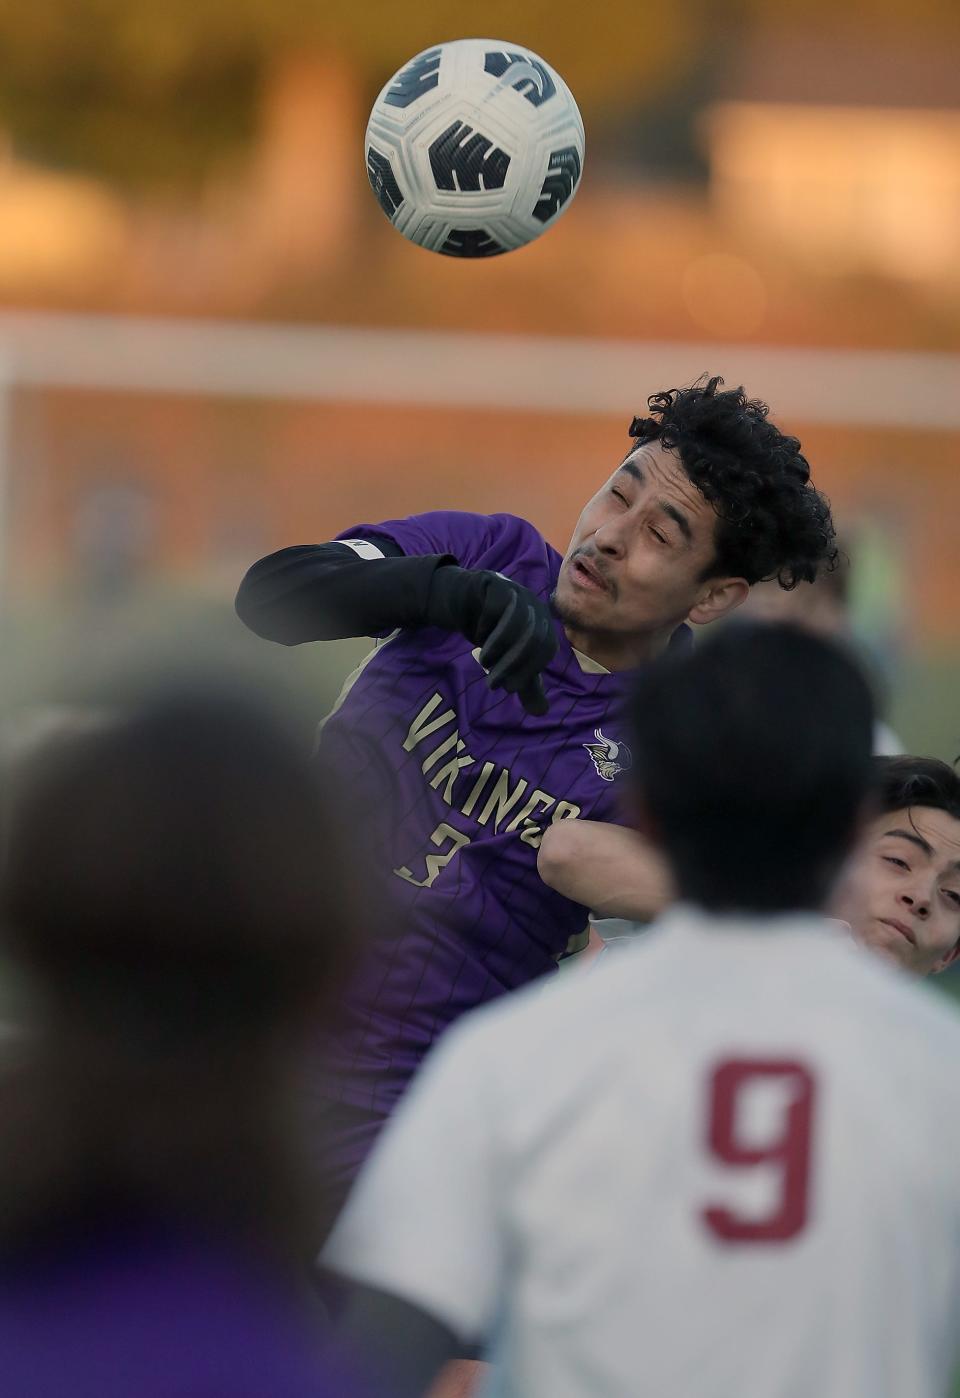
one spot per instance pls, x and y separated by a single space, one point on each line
178 865
173 886
753 766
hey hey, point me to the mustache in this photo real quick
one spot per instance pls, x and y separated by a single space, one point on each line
598 565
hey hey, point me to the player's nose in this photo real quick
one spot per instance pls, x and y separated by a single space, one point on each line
610 541
918 904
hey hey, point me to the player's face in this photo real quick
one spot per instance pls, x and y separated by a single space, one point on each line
638 555
909 886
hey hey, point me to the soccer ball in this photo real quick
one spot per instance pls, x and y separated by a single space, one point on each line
474 148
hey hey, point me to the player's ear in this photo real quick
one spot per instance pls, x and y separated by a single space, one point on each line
722 595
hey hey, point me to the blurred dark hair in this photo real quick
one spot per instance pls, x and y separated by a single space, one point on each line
175 886
901 782
752 765
772 523
186 852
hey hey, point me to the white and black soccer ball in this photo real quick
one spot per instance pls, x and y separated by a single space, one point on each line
474 148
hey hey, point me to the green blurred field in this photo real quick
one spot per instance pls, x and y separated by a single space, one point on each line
925 711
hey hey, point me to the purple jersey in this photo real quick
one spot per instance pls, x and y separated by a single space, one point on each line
455 786
137 1309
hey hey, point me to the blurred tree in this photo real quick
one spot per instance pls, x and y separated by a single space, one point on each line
154 92
909 15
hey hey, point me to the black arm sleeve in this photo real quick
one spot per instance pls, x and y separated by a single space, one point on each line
396 1348
321 592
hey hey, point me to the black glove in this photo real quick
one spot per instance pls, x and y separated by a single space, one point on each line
512 627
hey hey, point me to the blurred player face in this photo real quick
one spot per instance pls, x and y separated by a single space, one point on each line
909 888
810 605
635 565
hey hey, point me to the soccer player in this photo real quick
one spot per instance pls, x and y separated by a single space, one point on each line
173 898
724 1162
491 706
902 898
906 881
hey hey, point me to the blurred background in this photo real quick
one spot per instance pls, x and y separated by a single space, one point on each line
212 343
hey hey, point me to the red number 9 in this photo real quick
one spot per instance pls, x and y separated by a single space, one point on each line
790 1150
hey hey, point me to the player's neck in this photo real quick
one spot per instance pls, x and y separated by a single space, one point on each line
619 652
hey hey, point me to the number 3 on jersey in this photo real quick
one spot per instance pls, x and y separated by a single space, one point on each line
444 834
787 1149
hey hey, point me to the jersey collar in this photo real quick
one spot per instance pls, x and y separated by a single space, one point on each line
681 639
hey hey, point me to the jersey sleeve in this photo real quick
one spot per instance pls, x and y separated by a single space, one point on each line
422 1222
476 541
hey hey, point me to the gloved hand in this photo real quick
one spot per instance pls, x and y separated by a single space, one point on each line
512 627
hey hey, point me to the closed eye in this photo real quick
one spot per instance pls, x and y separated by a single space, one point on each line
953 896
900 863
620 496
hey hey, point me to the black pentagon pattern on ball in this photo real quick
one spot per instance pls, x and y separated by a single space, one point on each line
420 76
383 182
471 242
461 158
497 63
563 172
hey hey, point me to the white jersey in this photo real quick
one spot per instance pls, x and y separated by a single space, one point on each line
726 1164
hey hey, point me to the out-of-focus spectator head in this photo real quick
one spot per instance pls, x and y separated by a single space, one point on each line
821 606
176 888
752 766
185 851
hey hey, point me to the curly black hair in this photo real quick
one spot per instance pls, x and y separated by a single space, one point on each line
916 781
772 523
